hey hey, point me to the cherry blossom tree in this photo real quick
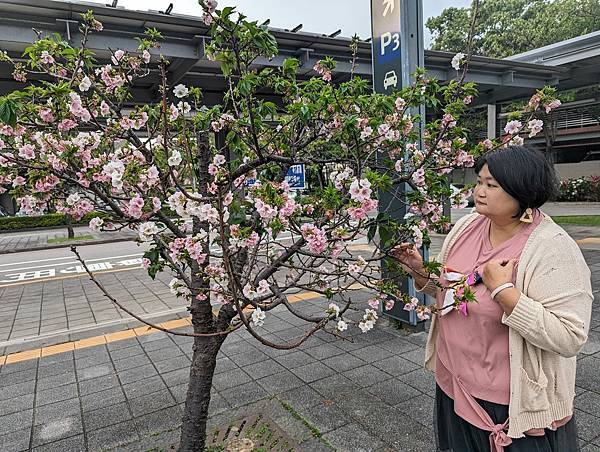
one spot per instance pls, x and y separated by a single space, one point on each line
205 186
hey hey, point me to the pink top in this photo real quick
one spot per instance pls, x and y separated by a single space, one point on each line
472 351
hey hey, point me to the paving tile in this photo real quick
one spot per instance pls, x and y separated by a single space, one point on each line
314 371
244 394
224 364
56 410
57 429
367 375
327 418
417 356
30 365
420 379
420 409
393 391
587 425
263 368
176 377
588 402
102 399
113 436
53 360
334 385
15 421
371 353
231 379
281 382
129 352
175 363
131 362
587 374
95 372
91 361
57 394
137 373
16 404
17 377
352 437
122 344
324 351
143 387
74 443
295 359
94 385
159 421
108 415
396 366
14 441
302 398
151 402
14 390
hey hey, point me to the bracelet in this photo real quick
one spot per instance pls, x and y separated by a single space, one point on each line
500 288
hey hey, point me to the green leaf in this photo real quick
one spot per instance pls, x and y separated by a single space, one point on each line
371 232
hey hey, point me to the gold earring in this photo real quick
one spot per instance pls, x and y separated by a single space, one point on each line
527 216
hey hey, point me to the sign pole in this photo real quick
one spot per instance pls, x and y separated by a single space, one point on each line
397 51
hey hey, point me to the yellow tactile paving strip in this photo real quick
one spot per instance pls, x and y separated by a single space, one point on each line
121 335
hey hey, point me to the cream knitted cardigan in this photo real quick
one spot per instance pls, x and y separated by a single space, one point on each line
547 328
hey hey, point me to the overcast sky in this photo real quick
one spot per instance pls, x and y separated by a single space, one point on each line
319 16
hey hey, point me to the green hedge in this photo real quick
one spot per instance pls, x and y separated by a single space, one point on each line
42 221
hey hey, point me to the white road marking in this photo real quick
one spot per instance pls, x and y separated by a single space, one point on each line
52 270
66 257
69 263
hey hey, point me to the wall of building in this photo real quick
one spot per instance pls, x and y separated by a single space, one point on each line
575 170
563 171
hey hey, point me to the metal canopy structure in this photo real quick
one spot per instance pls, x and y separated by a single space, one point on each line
186 36
579 58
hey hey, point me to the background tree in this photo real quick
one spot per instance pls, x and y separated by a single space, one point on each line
237 249
509 27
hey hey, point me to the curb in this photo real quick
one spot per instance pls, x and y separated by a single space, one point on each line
67 245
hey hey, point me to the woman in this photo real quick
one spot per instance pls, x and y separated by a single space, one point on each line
505 371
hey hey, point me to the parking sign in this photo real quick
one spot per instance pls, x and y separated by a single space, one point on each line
397 42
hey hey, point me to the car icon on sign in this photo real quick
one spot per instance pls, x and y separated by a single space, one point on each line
390 79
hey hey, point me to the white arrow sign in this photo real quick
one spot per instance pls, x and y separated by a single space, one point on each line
389 7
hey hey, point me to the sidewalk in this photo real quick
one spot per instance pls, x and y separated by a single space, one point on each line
12 242
18 241
126 392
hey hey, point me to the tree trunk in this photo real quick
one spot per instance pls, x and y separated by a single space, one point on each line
70 231
204 361
204 358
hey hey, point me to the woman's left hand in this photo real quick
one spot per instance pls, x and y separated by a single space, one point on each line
497 272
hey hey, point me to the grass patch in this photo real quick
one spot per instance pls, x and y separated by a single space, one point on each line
74 239
313 429
580 220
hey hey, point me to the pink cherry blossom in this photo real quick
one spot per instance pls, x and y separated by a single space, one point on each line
27 151
552 105
316 237
513 127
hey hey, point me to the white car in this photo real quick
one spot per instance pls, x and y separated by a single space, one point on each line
390 79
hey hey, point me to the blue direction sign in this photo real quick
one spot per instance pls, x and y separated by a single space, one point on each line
385 28
295 177
397 48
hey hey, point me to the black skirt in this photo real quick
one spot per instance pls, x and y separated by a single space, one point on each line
453 434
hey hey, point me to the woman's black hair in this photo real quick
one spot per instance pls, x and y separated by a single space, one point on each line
523 173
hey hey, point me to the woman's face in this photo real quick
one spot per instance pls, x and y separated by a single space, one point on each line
491 200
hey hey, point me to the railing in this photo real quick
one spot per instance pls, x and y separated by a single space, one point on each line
575 117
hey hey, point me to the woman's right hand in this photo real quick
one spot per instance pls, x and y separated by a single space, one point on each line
409 258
